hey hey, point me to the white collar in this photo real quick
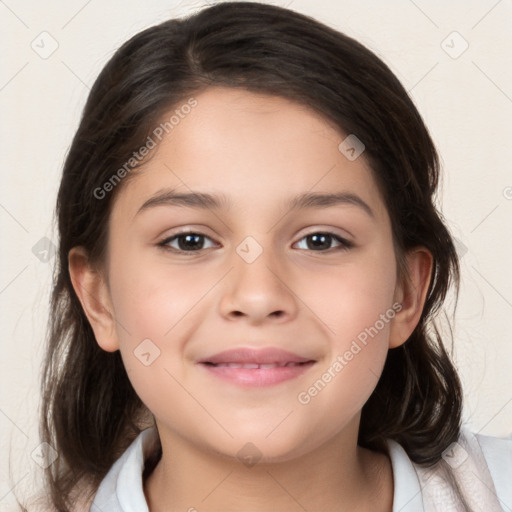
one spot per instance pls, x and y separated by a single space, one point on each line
122 488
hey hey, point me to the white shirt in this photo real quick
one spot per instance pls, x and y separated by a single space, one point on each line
482 466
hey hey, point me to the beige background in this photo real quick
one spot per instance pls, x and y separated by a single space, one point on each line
465 98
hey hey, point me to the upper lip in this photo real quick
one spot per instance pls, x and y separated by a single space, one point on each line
255 356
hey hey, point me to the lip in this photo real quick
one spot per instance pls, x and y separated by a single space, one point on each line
256 356
262 367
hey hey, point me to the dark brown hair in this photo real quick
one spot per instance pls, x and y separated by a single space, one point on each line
90 412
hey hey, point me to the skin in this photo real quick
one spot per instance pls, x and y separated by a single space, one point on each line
260 151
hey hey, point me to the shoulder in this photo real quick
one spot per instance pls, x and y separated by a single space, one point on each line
475 471
498 457
479 468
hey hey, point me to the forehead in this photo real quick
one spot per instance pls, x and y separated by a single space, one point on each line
253 149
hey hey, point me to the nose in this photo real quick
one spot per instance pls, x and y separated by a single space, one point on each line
258 290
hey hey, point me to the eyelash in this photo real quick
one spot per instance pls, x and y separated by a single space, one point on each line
345 244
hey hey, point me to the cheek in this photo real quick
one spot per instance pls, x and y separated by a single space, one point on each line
151 298
352 297
157 309
356 312
151 308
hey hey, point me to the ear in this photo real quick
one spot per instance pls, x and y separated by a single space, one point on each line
92 290
411 293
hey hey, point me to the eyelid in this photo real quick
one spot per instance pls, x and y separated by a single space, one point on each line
346 244
347 237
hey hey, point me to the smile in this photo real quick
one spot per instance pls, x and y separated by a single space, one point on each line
255 365
257 374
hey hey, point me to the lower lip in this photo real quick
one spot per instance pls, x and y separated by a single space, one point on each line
258 377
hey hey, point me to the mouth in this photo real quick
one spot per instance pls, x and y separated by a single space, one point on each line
256 368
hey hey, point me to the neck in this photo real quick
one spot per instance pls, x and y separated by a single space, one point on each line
339 475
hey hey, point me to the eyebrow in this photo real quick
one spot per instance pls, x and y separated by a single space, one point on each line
206 201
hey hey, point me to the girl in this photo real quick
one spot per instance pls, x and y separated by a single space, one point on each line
250 265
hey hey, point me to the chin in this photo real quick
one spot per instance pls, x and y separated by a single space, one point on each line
250 449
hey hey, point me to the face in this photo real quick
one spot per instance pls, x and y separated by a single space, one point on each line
256 272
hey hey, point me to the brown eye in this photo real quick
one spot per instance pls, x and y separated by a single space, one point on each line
321 242
191 241
186 242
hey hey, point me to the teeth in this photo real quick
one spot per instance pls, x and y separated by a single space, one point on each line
255 365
